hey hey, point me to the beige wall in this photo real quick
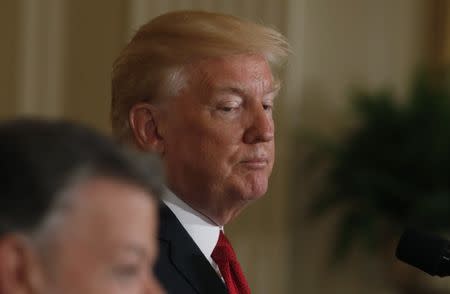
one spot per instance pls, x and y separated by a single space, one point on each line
9 24
57 56
447 35
95 35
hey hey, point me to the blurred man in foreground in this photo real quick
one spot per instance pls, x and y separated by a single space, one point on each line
77 214
198 89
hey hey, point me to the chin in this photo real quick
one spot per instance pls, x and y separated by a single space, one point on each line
255 192
249 188
256 196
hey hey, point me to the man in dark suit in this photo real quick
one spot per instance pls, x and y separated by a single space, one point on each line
198 89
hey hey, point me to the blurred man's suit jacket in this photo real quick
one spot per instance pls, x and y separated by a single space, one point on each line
181 267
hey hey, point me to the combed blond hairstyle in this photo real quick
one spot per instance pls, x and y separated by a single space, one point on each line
150 67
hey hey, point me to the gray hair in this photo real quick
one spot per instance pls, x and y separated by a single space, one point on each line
42 161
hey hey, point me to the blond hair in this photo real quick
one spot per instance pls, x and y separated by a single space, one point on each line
150 67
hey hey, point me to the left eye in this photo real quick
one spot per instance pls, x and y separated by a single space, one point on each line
227 108
230 107
127 271
267 107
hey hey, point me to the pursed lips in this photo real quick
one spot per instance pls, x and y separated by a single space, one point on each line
255 162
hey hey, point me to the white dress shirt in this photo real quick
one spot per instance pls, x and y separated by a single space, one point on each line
202 230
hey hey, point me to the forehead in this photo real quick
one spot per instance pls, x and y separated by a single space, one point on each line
101 204
246 72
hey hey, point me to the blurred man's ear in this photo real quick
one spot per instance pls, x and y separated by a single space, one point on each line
18 267
145 122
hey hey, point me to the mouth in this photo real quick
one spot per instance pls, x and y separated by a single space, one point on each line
255 163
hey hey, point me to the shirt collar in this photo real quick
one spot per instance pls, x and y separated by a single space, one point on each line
202 230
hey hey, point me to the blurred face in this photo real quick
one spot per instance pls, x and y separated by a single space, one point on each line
106 243
219 135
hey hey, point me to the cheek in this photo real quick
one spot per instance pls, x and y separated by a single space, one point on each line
223 150
215 156
76 267
207 143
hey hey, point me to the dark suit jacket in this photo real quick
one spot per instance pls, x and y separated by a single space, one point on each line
181 266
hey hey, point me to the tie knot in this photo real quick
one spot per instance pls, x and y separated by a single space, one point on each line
223 252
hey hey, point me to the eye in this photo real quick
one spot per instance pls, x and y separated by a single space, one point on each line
127 270
268 107
229 106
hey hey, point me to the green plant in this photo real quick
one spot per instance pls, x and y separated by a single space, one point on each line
393 170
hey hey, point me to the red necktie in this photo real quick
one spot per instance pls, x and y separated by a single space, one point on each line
224 256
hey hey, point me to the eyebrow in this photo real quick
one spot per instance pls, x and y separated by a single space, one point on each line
136 249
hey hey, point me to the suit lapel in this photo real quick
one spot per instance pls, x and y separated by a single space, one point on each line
187 257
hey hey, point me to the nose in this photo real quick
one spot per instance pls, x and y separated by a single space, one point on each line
261 127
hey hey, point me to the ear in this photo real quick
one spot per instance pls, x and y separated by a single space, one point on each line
19 272
145 122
